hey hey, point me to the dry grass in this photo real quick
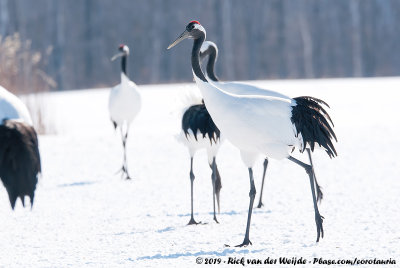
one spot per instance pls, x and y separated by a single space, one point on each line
21 72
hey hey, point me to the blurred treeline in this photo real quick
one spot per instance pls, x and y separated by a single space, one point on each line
258 39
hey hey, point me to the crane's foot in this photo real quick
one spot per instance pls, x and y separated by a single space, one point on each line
215 219
192 221
124 173
260 204
320 229
245 243
121 170
128 177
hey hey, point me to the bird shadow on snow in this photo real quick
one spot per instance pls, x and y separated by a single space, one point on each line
81 183
167 229
232 212
225 252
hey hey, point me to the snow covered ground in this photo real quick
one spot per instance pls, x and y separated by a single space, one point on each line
85 215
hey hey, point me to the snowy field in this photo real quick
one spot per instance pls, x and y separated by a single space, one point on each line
85 215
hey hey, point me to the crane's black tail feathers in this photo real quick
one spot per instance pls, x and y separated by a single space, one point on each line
19 160
197 119
314 124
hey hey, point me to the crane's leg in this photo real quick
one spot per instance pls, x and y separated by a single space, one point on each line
125 165
260 203
252 195
213 180
218 186
192 221
320 195
318 217
123 139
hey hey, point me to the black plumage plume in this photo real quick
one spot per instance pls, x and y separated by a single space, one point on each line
314 124
19 160
197 118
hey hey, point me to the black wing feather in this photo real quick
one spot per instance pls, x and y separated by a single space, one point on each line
314 124
197 118
19 160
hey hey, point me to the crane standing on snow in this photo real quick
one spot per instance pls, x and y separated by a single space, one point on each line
263 125
199 132
211 49
124 103
19 151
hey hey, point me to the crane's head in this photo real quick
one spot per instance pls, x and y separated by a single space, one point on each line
207 48
193 30
123 50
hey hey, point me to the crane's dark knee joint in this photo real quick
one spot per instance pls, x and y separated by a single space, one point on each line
192 176
252 192
265 163
308 169
213 177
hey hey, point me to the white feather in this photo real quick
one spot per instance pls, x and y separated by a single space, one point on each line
206 45
191 96
255 124
11 107
124 101
239 88
194 145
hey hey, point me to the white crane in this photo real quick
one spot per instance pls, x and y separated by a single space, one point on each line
210 49
198 131
124 103
19 151
266 125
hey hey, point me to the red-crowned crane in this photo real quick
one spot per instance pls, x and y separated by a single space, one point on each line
210 48
19 151
199 132
124 103
263 125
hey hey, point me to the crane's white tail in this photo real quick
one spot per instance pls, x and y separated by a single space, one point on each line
314 124
19 160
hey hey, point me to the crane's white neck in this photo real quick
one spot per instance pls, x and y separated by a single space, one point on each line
124 78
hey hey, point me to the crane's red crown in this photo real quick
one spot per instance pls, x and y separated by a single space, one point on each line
195 21
121 46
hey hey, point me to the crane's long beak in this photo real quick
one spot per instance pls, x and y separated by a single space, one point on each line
120 54
183 36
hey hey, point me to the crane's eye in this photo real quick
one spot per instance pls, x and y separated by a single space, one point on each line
190 27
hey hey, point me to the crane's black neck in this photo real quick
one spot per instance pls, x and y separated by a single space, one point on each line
211 64
196 57
123 63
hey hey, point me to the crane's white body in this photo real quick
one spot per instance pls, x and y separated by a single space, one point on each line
267 141
239 88
11 107
124 101
253 123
